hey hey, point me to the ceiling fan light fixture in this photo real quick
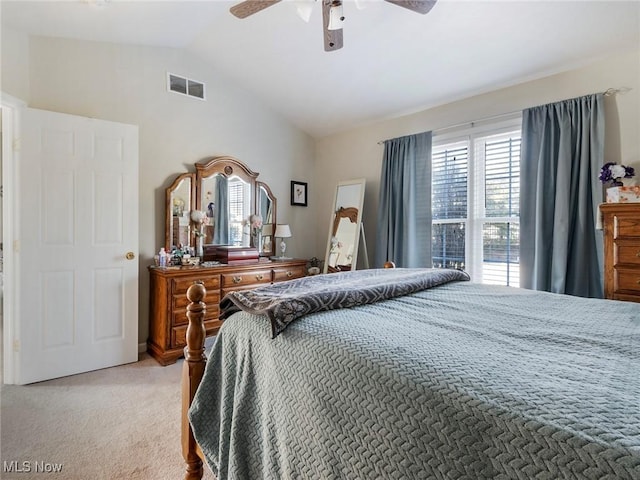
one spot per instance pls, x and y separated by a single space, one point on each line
336 16
332 15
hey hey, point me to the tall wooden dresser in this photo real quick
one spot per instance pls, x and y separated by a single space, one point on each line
621 225
168 300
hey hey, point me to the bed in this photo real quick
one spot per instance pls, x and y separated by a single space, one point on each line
413 374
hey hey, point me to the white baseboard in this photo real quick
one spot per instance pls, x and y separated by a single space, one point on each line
142 347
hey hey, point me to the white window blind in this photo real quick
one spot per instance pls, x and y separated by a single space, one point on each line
475 204
500 222
449 195
236 210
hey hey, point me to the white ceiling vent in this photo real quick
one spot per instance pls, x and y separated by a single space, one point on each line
185 86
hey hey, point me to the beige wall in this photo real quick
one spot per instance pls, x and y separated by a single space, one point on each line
14 61
128 84
357 154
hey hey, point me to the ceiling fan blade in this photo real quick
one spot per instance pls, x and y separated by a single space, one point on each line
332 38
249 7
419 6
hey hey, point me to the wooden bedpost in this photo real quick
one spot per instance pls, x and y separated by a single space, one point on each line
192 372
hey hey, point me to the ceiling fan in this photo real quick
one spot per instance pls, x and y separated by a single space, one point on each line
332 16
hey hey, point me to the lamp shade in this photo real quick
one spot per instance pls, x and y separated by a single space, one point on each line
282 231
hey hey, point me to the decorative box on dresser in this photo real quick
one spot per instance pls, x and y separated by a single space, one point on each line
621 226
168 300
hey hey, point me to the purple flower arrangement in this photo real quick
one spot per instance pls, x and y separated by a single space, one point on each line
613 173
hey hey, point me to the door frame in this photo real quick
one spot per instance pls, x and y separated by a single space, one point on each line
11 107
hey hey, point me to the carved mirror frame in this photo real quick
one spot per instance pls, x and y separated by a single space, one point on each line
345 227
173 220
267 247
228 167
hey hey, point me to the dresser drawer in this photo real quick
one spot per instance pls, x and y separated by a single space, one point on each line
627 252
627 280
627 226
181 301
211 313
179 287
281 274
179 334
253 278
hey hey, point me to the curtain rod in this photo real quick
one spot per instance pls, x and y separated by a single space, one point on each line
484 119
612 91
607 93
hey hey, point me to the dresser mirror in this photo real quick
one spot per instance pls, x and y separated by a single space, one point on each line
266 208
227 194
345 227
180 200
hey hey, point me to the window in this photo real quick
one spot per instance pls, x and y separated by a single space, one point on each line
238 193
475 202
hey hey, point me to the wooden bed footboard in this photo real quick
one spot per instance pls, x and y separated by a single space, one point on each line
192 372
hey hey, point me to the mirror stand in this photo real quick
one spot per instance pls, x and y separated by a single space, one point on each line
363 239
345 227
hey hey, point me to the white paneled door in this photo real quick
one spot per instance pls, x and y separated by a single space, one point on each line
77 259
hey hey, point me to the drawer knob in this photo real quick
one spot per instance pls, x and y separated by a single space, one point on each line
236 280
638 254
289 274
259 276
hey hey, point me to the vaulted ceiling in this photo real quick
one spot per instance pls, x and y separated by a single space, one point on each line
394 61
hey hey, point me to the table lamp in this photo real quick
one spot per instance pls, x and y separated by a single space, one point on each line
282 231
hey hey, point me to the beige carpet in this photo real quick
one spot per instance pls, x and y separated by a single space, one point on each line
116 423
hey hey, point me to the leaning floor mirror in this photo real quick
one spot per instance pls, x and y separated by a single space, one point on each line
345 227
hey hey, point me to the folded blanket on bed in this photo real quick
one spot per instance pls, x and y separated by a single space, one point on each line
285 302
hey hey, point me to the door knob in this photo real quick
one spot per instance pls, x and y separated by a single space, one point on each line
130 256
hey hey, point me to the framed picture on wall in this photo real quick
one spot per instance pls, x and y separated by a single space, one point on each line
298 193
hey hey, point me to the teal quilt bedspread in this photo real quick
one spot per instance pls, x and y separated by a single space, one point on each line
458 381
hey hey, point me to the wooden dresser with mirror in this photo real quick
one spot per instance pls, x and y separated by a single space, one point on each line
215 182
